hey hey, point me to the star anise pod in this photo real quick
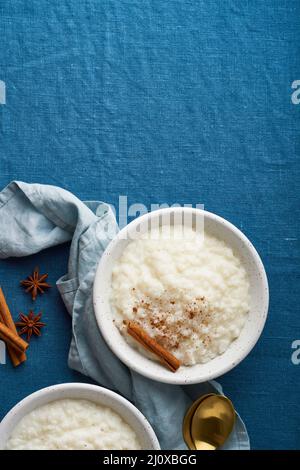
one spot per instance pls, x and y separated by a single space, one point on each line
35 284
30 324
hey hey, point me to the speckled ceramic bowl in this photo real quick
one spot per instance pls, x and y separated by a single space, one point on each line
93 393
237 351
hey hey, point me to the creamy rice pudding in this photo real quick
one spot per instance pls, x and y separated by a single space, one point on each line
191 295
71 424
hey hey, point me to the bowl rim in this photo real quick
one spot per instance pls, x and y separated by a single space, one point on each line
75 386
172 379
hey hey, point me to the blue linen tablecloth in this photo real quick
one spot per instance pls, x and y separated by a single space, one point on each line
162 102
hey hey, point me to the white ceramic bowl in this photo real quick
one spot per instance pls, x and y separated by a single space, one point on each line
237 351
96 394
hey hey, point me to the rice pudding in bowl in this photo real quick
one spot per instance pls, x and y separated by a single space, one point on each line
72 424
188 292
237 292
76 417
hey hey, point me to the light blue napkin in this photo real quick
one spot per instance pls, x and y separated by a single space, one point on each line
56 216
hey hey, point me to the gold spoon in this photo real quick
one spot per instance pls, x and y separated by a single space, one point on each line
212 422
186 425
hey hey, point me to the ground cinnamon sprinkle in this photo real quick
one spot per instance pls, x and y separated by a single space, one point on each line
171 322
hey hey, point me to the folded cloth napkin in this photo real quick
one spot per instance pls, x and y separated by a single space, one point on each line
56 216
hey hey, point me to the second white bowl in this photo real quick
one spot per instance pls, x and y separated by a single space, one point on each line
99 395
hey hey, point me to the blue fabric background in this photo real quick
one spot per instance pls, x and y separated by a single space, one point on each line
165 102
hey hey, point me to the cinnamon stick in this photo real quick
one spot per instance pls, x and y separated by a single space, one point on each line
12 339
142 337
5 317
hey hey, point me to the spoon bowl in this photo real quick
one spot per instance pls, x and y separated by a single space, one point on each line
212 422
